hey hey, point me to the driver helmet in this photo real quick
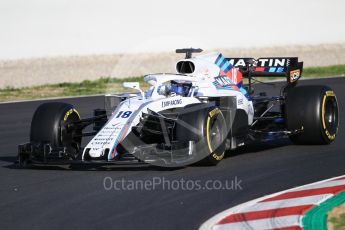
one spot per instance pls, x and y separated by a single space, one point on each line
180 88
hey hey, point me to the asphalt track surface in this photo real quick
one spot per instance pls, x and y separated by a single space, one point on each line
60 198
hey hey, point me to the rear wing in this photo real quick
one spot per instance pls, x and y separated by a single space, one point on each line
288 67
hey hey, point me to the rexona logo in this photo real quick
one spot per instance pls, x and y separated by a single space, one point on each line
171 103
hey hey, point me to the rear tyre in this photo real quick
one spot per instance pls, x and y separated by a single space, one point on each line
47 126
313 110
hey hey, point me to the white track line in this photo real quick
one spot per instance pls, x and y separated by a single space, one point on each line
308 200
261 224
323 185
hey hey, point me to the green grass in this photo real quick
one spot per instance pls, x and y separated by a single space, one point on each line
111 85
338 222
102 85
99 86
336 70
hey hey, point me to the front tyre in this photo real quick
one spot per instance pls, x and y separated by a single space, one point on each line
215 137
313 110
48 126
210 136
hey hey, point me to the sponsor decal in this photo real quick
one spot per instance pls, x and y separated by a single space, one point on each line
276 62
218 158
328 134
330 137
207 73
102 143
262 62
171 102
294 75
240 101
69 112
239 62
223 82
330 93
208 135
214 111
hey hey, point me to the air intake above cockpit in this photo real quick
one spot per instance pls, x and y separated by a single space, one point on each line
185 67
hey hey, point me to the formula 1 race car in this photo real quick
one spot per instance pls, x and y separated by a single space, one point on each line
191 116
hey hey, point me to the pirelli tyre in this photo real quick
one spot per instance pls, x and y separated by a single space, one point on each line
47 125
312 111
208 129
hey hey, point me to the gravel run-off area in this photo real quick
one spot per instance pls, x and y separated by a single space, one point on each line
40 71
